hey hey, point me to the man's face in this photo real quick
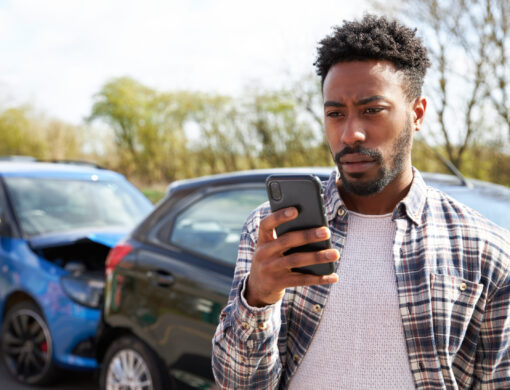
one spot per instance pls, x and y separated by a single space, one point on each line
369 124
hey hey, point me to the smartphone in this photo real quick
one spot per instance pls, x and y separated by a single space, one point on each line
304 192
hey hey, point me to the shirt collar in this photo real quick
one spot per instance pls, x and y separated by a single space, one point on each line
412 205
332 199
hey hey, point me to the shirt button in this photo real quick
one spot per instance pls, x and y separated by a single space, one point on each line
317 308
243 359
262 326
245 325
462 286
295 358
341 212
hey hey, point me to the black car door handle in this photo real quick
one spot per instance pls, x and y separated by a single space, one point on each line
161 278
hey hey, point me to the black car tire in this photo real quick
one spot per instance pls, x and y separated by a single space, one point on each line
118 355
26 345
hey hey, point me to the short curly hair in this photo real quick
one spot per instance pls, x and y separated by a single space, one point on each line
376 38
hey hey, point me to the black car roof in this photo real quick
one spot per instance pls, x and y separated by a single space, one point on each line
257 175
254 175
490 199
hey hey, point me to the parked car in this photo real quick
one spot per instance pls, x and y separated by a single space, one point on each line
167 282
57 225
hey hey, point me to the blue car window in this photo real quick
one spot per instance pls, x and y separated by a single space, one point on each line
55 205
212 226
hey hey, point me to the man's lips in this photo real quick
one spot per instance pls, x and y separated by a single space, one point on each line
354 158
356 162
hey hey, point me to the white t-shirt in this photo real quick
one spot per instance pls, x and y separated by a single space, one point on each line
360 342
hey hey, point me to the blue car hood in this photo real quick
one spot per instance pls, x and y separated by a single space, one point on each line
106 237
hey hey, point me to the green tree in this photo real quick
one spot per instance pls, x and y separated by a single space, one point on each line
148 127
24 132
60 140
288 128
17 133
223 143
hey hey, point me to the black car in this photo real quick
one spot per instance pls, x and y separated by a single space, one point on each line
167 283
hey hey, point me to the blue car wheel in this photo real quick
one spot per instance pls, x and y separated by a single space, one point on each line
26 345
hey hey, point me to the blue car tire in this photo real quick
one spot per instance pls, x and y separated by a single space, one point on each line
26 345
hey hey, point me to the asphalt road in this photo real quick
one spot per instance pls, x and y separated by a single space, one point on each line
69 380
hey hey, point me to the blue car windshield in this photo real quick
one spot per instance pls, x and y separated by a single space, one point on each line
56 205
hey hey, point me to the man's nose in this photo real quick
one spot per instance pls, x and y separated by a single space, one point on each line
353 132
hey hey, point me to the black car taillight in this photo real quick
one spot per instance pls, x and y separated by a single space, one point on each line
116 255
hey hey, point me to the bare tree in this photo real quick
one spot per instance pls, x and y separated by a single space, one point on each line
468 43
499 29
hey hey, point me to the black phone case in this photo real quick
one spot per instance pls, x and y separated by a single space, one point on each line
305 193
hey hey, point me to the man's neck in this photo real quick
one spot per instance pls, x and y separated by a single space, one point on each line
383 202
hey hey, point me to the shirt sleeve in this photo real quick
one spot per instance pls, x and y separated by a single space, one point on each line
245 346
493 352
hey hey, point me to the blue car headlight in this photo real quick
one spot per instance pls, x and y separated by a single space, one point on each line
84 290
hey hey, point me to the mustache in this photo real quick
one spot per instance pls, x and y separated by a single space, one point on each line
374 154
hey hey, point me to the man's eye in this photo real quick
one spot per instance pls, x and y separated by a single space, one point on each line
373 110
334 114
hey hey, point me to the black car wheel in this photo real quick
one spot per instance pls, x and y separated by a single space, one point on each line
26 345
131 365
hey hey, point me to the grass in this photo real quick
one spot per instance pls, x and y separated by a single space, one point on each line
153 194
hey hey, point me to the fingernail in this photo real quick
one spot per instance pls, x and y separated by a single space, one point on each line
332 255
330 279
289 212
322 232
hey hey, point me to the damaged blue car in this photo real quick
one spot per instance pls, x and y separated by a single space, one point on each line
57 225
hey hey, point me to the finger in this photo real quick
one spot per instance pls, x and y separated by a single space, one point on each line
301 237
302 259
269 223
296 279
277 248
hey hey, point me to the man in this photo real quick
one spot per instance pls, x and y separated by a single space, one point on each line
421 294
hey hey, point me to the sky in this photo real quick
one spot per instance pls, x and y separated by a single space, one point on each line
56 54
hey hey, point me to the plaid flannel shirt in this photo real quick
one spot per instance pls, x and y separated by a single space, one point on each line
453 279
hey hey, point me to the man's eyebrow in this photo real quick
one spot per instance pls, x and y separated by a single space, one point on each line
369 100
331 103
361 102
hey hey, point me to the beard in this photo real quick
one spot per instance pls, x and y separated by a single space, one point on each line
387 172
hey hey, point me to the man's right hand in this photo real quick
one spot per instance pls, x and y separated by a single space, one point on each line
271 271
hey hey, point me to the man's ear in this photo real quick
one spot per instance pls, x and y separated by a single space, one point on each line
418 112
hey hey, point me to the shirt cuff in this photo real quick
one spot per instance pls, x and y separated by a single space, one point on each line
256 323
